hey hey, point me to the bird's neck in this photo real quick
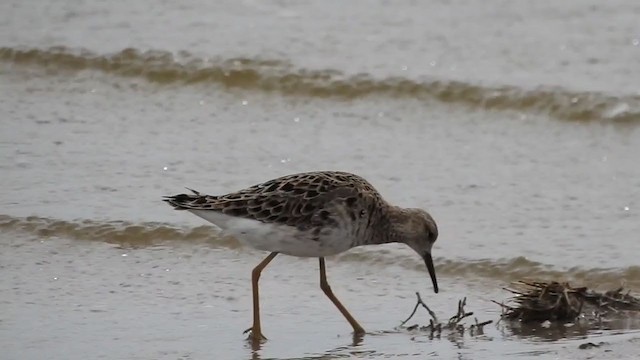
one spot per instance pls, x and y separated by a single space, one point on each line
391 226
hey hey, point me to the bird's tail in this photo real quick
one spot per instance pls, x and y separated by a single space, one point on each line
188 201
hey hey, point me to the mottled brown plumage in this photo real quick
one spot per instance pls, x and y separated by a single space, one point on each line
314 200
302 200
313 214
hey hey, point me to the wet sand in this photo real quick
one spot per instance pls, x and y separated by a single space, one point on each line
189 299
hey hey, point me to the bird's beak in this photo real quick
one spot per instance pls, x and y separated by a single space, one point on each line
428 260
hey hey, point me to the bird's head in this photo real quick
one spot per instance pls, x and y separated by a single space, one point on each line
416 228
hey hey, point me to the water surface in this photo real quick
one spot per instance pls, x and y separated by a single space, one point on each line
514 123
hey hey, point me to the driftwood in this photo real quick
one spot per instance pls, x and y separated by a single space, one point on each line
435 327
554 301
538 302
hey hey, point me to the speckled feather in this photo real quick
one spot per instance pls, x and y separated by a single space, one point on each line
305 200
311 214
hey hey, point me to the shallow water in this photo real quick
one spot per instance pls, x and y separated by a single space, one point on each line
514 124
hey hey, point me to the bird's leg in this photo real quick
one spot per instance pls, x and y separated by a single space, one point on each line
324 285
256 331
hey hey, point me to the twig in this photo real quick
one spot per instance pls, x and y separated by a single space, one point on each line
420 302
453 324
455 319
415 308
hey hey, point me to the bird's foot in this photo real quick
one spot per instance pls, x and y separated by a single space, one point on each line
255 336
358 336
358 331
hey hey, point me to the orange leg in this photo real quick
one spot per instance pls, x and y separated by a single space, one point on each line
256 330
324 285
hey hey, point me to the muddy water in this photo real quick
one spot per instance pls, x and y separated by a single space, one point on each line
514 124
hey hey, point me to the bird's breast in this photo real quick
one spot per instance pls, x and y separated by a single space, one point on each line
300 241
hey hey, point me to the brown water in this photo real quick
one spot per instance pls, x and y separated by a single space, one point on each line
516 124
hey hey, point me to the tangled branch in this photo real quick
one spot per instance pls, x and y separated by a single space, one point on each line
453 324
540 301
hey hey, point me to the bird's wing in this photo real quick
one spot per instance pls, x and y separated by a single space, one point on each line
305 199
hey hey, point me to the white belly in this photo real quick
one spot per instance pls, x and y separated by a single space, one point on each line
279 238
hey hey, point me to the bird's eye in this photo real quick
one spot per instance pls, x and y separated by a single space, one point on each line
362 213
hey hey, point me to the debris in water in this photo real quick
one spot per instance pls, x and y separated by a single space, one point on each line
541 301
453 325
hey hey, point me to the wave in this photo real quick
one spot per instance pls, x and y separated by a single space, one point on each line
509 270
131 235
121 233
282 77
